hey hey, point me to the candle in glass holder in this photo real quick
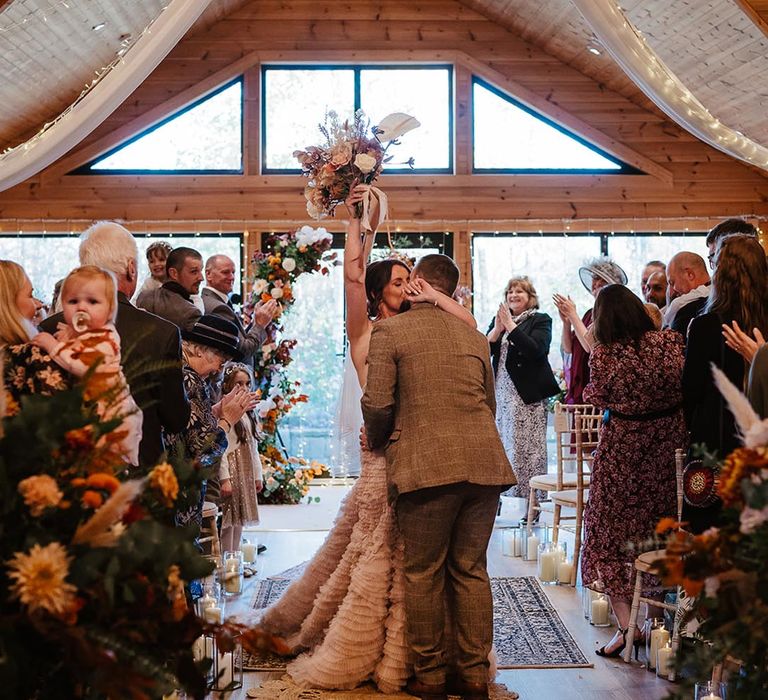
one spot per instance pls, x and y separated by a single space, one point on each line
564 572
225 670
599 616
533 548
664 658
214 614
233 582
659 638
548 561
249 551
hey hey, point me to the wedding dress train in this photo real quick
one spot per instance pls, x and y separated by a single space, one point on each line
345 615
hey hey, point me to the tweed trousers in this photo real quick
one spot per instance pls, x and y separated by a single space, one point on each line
449 609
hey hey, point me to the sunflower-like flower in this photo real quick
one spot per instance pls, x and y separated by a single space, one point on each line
40 579
163 478
739 465
40 492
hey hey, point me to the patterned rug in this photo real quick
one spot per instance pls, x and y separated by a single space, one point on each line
527 631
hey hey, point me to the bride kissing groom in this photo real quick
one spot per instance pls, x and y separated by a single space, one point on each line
429 403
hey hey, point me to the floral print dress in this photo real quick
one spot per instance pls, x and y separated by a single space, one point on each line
633 481
30 370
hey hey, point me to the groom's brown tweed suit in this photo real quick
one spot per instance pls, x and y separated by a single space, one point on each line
429 402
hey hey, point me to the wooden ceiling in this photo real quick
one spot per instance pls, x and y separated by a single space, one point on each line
718 50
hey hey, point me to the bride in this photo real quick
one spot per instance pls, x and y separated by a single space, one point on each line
345 616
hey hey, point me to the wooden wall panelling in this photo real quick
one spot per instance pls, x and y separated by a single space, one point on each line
690 179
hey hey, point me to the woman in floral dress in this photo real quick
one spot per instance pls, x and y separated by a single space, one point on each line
636 375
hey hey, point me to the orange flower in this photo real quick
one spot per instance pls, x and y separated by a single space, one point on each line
77 482
666 524
92 499
79 437
163 478
100 480
692 586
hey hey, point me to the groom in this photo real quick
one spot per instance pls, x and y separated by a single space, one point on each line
430 403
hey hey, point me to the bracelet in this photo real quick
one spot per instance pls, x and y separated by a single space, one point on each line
229 425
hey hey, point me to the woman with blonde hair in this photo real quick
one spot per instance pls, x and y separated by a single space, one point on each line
520 336
27 369
739 295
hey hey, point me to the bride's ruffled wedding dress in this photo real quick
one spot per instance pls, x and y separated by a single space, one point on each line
345 615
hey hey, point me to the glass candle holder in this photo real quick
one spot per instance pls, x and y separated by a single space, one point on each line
587 596
599 615
710 690
549 558
512 542
564 572
232 574
226 672
249 549
530 543
656 637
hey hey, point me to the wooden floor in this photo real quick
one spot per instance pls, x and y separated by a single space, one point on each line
609 679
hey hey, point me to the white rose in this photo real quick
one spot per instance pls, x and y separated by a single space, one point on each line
289 264
259 286
276 292
264 407
394 125
365 163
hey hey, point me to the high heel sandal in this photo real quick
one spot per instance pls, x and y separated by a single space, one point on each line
615 653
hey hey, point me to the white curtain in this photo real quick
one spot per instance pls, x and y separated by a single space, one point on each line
628 48
108 94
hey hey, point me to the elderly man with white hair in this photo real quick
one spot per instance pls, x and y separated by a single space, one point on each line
151 346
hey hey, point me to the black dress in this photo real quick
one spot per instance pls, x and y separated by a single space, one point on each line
706 414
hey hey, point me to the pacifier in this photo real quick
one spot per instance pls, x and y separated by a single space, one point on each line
81 321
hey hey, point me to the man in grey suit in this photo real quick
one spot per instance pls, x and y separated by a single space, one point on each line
220 280
430 404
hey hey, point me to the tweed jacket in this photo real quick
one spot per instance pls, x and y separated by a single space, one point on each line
429 402
251 338
151 361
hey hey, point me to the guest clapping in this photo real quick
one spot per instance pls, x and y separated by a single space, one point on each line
739 295
577 341
520 336
636 376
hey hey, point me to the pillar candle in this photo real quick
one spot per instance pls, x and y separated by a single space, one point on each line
664 659
207 601
548 566
564 571
533 548
214 615
249 552
198 649
225 670
659 637
232 582
599 614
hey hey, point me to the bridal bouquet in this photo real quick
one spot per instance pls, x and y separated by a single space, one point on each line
725 569
353 154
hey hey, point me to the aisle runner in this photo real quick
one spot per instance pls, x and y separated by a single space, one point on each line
527 631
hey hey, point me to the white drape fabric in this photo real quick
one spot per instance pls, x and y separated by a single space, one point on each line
108 94
641 63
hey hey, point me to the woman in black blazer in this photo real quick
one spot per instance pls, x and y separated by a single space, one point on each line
520 337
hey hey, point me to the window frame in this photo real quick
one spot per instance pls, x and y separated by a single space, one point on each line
624 169
357 68
87 168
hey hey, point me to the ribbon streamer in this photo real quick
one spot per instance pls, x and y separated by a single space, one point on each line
372 196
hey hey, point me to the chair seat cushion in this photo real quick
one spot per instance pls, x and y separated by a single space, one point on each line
567 497
548 482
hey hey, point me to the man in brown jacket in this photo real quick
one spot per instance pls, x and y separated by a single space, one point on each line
430 404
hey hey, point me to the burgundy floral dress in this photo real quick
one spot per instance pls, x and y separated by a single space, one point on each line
633 475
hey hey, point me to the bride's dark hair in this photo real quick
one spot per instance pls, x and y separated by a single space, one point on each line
377 276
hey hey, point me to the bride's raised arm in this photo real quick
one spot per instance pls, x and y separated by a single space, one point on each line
357 249
420 290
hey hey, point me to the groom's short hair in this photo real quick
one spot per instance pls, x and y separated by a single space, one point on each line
440 271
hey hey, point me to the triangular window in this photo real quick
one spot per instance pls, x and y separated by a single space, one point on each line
206 136
510 137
